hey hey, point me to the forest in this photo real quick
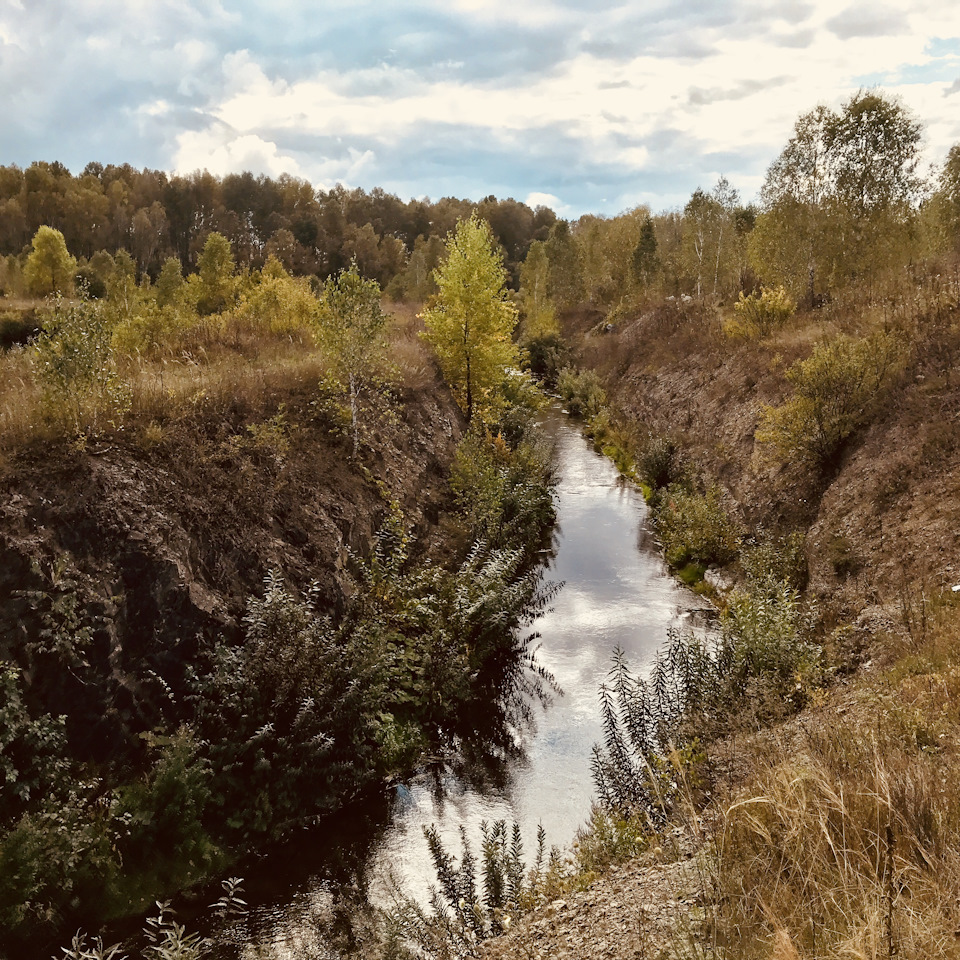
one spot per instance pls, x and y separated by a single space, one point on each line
153 217
845 202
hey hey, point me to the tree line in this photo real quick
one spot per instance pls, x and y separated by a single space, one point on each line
155 216
844 202
843 206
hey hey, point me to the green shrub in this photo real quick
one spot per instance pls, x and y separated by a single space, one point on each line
609 837
661 463
758 315
692 574
778 559
284 715
56 858
764 649
516 422
75 366
842 556
307 712
834 391
166 841
476 899
504 494
546 356
762 666
581 392
694 528
32 751
151 330
285 307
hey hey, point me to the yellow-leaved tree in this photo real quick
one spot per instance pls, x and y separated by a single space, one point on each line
49 268
470 321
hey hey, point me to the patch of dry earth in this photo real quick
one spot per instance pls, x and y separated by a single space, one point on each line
643 909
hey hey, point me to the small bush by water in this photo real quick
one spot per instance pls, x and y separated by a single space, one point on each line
582 392
693 527
763 665
476 898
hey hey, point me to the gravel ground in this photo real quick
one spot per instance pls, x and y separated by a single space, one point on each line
646 908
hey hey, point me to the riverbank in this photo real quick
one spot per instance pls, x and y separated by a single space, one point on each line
883 511
831 832
126 561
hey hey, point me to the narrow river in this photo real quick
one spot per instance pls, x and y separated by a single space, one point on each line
616 593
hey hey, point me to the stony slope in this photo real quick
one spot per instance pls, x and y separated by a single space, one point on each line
889 513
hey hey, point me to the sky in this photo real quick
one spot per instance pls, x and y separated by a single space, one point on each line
584 107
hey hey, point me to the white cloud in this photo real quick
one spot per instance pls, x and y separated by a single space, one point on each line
221 153
537 198
242 73
347 171
741 97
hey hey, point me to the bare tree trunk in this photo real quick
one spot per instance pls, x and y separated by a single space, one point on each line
353 414
716 271
698 246
469 393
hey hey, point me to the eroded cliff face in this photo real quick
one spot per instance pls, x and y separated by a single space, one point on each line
884 519
120 557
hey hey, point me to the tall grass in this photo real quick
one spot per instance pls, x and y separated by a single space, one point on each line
169 367
840 840
846 847
837 838
19 399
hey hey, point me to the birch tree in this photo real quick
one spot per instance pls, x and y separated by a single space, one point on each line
352 323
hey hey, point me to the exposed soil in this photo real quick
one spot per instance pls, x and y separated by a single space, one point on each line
637 910
886 515
162 536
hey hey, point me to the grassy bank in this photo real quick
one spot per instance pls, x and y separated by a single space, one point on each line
810 465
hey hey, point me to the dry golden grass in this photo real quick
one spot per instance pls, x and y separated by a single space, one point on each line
842 841
19 400
162 389
413 364
218 360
